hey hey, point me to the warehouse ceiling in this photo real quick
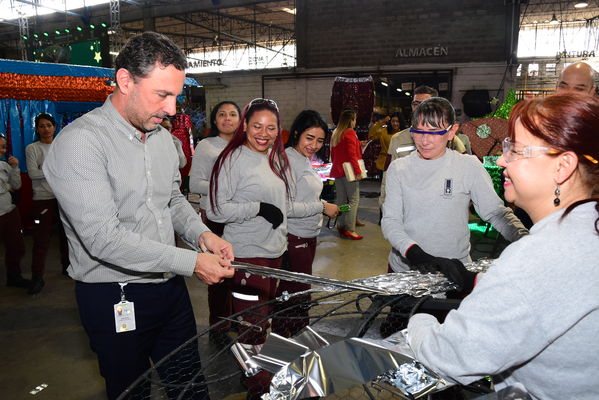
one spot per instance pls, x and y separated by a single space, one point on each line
206 25
195 25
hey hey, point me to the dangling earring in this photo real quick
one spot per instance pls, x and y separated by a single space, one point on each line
557 192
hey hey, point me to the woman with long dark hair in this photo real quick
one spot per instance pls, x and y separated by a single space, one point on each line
534 316
224 121
304 217
45 205
249 191
345 147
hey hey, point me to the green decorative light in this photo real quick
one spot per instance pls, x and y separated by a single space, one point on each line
57 32
103 25
67 31
45 33
35 35
79 29
25 37
92 26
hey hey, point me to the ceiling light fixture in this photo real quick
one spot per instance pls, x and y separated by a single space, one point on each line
554 20
384 83
581 4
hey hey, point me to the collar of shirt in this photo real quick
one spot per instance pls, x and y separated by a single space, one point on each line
128 129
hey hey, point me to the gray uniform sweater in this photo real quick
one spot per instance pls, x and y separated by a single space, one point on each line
10 179
427 203
305 210
244 182
205 155
533 317
35 154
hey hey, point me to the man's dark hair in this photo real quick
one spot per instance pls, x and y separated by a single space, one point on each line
426 90
143 51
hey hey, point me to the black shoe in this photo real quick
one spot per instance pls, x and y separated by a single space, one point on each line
220 339
17 281
37 283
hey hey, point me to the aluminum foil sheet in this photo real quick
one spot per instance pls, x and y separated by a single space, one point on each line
302 371
325 283
480 265
412 283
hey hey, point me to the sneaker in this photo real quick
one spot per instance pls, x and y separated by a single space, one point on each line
17 281
37 283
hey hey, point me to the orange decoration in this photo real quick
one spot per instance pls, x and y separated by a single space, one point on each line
53 88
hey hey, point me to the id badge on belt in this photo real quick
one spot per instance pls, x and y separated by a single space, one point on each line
124 313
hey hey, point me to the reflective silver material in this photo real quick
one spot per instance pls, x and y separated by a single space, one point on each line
411 378
480 265
412 283
335 284
301 370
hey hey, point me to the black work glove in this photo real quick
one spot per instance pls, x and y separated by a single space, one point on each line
417 256
271 213
454 270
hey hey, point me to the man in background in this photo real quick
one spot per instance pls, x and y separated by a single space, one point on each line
576 78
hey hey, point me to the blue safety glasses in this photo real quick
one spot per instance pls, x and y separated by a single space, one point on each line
443 132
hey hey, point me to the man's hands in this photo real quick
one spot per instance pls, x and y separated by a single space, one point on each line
215 267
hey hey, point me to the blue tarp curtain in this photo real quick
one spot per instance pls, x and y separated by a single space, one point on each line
17 123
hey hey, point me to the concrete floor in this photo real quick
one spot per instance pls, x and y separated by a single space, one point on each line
42 341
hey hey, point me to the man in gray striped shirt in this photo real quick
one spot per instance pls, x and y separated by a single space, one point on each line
115 174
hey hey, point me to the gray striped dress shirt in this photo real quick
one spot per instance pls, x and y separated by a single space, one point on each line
120 200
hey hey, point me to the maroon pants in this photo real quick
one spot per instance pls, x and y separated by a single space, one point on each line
291 316
252 291
219 294
14 245
45 214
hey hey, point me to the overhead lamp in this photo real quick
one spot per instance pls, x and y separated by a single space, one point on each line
79 28
581 4
384 83
46 34
554 20
407 93
103 25
67 30
398 89
94 26
35 35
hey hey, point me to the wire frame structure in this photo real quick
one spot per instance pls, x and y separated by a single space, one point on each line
205 367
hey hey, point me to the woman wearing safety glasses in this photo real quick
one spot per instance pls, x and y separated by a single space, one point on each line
428 195
534 316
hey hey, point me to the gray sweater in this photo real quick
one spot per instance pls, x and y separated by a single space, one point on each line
10 179
205 155
427 203
35 154
244 182
533 317
305 210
